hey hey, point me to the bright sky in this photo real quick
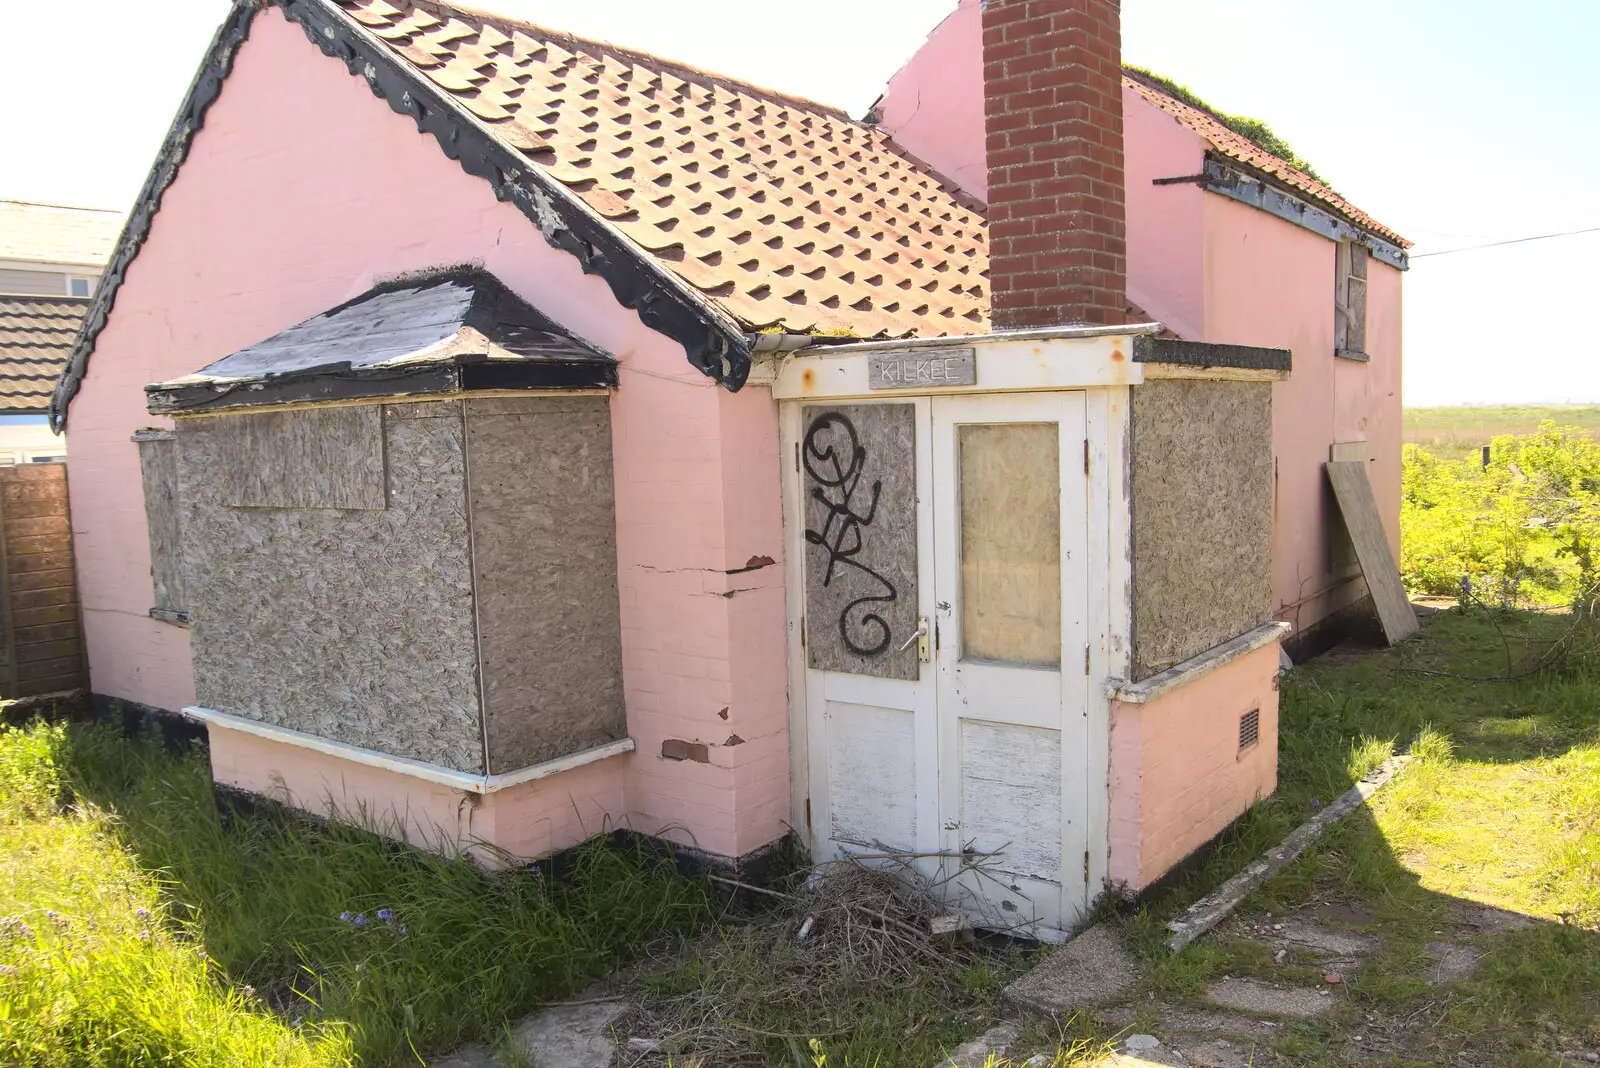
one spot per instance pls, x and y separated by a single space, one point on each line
1456 122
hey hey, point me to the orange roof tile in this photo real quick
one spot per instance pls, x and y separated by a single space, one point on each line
36 337
788 214
1246 151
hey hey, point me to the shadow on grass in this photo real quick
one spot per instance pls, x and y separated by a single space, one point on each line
1484 852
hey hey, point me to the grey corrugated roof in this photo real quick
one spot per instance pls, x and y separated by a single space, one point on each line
50 233
36 336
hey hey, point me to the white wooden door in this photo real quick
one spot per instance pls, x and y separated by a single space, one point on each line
1011 652
863 495
964 745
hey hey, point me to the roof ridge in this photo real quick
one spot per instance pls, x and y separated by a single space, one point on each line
63 207
666 65
1296 178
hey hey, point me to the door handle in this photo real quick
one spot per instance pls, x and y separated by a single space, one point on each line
920 636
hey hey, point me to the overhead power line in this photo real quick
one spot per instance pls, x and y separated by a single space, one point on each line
1512 241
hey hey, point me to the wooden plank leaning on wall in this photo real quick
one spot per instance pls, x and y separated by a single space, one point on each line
43 638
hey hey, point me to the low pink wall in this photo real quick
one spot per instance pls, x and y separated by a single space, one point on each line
302 189
1177 776
524 821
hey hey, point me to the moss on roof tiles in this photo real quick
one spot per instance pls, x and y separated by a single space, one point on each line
1253 130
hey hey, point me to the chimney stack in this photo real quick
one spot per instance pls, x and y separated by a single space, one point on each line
1052 88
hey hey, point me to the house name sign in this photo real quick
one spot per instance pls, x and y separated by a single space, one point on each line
921 368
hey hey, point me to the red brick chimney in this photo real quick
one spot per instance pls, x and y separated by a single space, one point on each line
1052 88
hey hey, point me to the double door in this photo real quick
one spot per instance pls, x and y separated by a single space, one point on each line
945 640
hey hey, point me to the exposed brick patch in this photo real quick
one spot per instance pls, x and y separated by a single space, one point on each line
722 713
678 749
734 739
1052 72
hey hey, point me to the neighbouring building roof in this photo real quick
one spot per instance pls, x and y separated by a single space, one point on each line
36 336
50 233
788 214
451 330
1241 149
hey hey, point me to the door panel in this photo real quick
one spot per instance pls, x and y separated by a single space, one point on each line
864 491
1009 537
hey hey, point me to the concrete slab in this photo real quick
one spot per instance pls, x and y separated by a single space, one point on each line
559 1036
1154 1058
1451 963
1486 919
1324 939
995 1042
570 1036
1092 968
1215 1053
1252 995
1183 1020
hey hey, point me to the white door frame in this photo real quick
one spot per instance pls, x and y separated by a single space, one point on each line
1097 365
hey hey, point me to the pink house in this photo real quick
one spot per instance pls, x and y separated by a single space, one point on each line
505 438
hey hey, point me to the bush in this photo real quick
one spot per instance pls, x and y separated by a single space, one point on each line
1523 531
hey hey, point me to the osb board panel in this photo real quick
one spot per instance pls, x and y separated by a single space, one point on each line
158 466
872 775
1359 509
349 624
1011 543
1202 517
305 458
545 562
858 474
1011 796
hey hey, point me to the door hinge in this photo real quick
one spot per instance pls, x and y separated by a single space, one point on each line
1086 660
802 632
1086 456
808 827
797 457
1085 856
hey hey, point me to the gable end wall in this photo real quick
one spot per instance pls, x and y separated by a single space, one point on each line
301 190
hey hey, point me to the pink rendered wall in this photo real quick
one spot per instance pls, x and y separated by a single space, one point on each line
1166 228
933 106
1269 282
528 820
302 189
1177 776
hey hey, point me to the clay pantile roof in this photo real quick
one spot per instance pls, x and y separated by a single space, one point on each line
49 233
788 214
1240 148
36 336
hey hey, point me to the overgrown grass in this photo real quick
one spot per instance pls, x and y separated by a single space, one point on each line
247 960
1500 806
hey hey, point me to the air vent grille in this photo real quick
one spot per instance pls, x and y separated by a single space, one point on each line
1249 729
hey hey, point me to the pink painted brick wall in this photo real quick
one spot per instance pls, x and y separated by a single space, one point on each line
300 191
1178 777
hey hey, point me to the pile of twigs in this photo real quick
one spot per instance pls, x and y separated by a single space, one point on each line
760 988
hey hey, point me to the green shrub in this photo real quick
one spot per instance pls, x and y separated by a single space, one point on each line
1523 531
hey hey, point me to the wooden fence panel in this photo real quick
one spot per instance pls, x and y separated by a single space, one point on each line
41 636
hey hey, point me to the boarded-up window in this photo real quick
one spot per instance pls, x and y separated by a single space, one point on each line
158 465
311 458
859 473
1350 301
1011 543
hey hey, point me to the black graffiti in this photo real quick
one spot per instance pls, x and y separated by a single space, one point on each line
834 458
